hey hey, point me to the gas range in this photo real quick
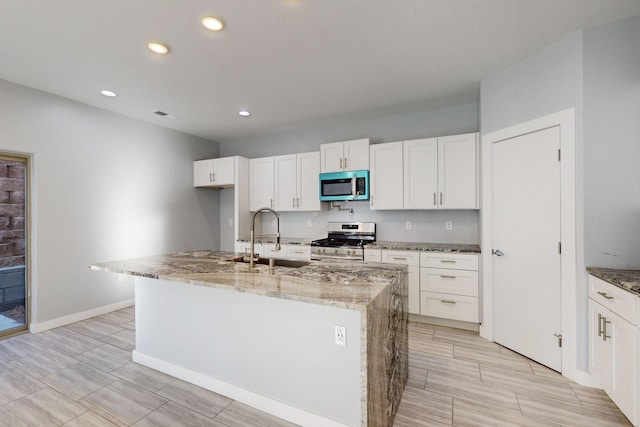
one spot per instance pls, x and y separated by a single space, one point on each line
346 240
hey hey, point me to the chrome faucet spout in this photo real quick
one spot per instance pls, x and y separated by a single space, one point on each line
252 257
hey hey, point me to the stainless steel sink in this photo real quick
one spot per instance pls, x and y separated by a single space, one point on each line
291 263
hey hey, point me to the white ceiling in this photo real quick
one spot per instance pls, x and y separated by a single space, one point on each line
290 62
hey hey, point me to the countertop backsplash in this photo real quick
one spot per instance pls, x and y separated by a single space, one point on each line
426 226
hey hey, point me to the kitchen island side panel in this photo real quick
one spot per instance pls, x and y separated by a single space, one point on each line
278 348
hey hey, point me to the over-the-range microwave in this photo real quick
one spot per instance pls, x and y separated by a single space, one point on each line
348 185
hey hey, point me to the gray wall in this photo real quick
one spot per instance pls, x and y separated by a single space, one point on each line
542 84
612 144
427 226
104 187
597 71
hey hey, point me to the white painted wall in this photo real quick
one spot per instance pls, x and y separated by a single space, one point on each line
612 144
104 187
597 71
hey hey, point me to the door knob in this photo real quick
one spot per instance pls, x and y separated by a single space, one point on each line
497 252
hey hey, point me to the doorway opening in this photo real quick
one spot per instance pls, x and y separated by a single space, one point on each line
14 284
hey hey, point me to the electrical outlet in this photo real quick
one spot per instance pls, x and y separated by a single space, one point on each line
407 225
309 223
448 225
230 222
341 335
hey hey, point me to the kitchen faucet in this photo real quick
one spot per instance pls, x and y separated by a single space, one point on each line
252 258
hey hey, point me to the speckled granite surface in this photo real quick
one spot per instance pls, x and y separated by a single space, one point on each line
378 291
336 283
425 247
625 279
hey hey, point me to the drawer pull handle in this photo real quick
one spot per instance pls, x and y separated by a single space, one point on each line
400 258
448 261
297 252
604 294
447 277
447 301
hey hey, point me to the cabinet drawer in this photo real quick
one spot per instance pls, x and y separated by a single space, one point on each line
410 258
456 307
373 255
298 251
269 251
448 260
617 300
457 282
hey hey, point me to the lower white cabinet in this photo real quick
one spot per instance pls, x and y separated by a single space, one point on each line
613 342
412 260
449 286
268 250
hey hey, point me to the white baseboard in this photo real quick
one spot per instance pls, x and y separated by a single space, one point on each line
76 317
255 400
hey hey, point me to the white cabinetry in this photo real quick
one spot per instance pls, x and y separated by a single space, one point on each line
373 255
261 183
458 171
613 316
344 156
420 173
412 260
296 182
430 173
386 176
214 172
449 286
298 251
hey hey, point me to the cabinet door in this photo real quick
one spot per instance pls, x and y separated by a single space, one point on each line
285 183
203 173
386 176
308 169
457 172
356 155
421 173
623 363
261 182
332 157
224 171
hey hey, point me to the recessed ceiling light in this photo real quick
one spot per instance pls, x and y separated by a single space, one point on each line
213 23
244 113
158 47
108 93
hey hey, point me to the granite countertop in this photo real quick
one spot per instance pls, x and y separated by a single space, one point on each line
425 247
626 279
342 284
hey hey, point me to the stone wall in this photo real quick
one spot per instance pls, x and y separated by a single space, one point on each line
12 213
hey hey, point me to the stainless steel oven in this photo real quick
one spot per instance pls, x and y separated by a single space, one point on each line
346 240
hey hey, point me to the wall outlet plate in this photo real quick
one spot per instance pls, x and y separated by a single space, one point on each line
407 225
448 225
341 335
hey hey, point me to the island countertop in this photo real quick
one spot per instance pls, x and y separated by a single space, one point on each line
333 283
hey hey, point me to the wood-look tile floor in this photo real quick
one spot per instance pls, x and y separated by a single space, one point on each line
82 375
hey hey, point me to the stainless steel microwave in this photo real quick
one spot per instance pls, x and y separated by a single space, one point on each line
348 185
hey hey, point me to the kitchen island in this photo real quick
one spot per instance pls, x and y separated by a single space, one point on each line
268 338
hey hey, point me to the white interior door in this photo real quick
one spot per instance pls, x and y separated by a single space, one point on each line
526 237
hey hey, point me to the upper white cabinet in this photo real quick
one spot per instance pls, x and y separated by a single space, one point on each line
261 183
430 173
296 182
344 156
420 173
386 176
458 172
214 172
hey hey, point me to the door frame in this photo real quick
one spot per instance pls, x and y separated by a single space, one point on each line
28 159
566 121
